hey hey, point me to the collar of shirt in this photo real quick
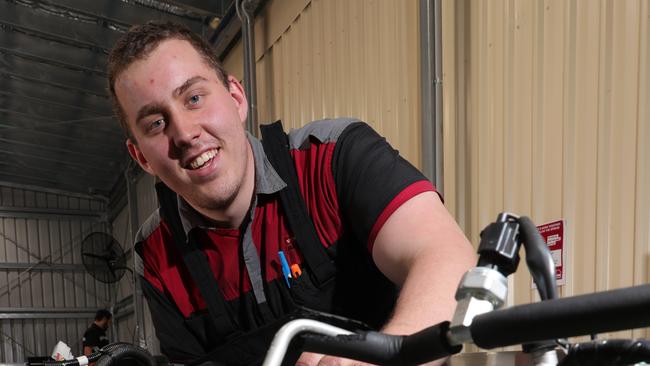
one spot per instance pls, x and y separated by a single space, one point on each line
267 181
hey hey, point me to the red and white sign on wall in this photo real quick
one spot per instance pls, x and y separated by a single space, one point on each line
553 234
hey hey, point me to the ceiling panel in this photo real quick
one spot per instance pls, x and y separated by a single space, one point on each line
57 128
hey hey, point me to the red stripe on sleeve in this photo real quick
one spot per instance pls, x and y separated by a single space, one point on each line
406 194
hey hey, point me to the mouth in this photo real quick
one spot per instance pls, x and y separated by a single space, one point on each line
202 160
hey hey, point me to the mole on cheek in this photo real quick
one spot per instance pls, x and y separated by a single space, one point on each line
151 81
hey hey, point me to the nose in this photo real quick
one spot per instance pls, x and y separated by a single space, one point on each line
184 130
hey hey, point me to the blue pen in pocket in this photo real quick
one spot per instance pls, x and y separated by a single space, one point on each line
286 271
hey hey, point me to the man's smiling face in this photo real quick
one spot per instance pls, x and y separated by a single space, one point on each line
188 127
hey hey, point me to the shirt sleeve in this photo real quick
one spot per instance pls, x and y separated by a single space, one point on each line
372 180
91 338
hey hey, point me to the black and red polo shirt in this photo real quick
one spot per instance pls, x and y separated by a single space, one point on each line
351 181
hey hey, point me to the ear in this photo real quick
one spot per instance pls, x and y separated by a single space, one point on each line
239 96
137 155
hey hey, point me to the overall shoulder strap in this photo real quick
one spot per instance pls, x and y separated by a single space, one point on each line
276 146
196 263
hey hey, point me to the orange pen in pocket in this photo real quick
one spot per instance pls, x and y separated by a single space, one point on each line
295 270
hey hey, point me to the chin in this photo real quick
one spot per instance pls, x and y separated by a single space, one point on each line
219 199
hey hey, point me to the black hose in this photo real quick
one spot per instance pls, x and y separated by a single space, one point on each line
119 351
599 312
111 355
538 258
607 352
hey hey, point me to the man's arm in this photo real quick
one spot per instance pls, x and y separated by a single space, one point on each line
429 262
422 248
427 259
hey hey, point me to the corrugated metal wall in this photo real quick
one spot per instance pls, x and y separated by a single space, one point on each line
335 58
547 114
45 293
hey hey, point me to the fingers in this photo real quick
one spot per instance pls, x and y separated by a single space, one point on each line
315 359
337 361
309 359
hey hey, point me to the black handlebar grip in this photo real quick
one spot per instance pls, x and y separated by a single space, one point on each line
606 311
383 349
373 347
427 345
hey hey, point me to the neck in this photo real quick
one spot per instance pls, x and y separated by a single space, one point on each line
234 214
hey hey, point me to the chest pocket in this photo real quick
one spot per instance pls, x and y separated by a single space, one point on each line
358 290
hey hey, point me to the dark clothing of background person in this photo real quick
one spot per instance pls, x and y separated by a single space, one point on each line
95 337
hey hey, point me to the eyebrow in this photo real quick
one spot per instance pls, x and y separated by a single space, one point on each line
187 84
148 109
155 107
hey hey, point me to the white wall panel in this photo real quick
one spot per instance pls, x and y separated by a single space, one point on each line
546 114
336 58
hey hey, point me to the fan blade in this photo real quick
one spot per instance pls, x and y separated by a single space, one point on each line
104 257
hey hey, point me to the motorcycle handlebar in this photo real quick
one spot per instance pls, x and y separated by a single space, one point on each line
383 349
606 311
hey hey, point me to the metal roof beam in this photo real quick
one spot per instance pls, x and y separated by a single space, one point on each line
72 66
44 49
42 313
131 12
20 168
56 127
99 109
10 75
42 267
99 154
27 70
54 113
78 135
214 7
70 14
57 28
48 158
50 37
61 183
49 213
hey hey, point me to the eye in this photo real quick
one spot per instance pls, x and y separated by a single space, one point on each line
155 125
194 100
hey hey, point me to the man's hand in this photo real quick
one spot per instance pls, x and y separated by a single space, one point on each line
315 359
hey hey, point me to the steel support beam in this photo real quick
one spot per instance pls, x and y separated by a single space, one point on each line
49 267
49 213
133 227
41 313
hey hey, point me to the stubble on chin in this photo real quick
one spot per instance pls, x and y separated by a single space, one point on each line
218 201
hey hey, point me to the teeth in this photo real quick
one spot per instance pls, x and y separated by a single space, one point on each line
202 159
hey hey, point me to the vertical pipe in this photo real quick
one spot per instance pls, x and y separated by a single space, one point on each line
431 90
133 225
245 14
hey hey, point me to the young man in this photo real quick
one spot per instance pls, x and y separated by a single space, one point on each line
373 217
95 336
